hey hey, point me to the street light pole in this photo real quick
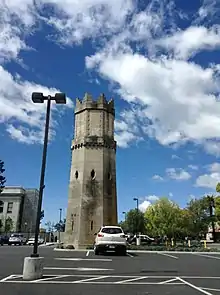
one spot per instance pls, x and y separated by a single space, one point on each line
137 205
60 222
124 213
60 98
211 206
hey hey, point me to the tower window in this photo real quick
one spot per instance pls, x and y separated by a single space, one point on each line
93 174
109 176
91 225
76 174
1 206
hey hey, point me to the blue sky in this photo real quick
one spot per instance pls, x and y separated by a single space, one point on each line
159 60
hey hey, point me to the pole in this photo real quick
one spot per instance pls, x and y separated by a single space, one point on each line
41 188
213 223
60 223
137 219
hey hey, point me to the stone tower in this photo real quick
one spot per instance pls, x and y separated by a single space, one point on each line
92 200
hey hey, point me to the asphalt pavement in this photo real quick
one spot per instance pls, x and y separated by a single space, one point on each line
81 272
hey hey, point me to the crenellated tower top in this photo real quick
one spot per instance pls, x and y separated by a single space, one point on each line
89 103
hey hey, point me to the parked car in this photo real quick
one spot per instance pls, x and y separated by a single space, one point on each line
17 239
110 238
1 241
145 239
30 242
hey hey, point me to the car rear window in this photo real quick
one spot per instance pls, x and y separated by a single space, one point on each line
111 230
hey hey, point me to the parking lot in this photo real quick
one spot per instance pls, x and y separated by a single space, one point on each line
81 272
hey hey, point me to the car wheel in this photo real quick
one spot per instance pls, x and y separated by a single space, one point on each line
123 251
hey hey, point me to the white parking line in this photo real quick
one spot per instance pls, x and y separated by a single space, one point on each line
211 289
87 253
7 278
194 287
207 256
79 268
130 280
47 279
90 279
167 281
130 255
168 255
83 259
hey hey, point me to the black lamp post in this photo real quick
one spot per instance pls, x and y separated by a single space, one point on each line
211 206
124 213
137 203
60 222
59 98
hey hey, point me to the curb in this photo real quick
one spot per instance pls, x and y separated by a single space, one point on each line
142 251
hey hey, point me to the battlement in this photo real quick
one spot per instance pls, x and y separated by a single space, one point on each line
89 103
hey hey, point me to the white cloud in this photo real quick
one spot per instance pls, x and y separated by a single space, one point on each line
208 11
175 157
147 202
76 20
212 147
208 180
193 167
164 83
144 205
177 174
157 177
25 120
159 83
214 167
185 44
170 195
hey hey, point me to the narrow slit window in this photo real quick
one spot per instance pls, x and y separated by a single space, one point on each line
93 174
91 225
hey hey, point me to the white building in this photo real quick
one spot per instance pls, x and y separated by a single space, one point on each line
21 206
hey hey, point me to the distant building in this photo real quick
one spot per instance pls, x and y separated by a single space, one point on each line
21 206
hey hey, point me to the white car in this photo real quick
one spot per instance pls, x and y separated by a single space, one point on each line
17 239
110 238
30 242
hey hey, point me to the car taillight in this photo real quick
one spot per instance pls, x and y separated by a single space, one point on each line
100 235
122 236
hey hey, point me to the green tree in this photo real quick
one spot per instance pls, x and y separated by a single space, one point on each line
9 224
1 225
198 216
218 187
2 178
217 208
163 218
135 221
60 226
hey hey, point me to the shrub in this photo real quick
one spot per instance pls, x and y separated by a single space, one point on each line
90 247
69 247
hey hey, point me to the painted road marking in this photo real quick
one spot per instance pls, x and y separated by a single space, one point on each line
131 280
207 256
84 259
168 255
87 253
90 279
79 268
194 287
7 278
130 255
168 281
47 279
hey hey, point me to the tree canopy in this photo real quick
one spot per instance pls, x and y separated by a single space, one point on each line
2 178
167 218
